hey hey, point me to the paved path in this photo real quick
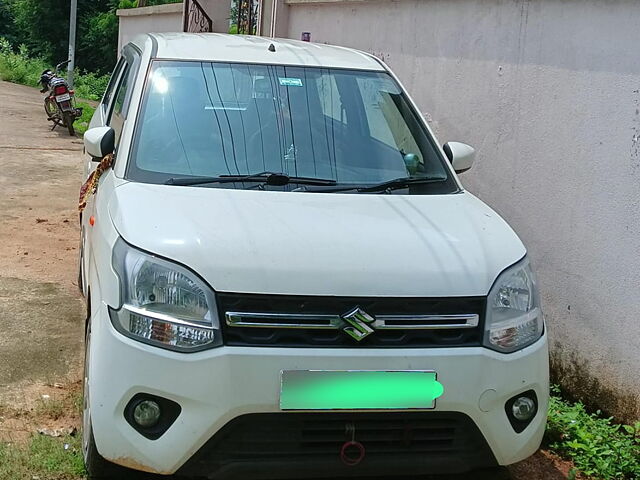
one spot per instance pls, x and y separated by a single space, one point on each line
40 309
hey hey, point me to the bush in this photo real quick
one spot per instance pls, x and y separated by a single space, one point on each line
90 86
18 67
598 447
148 3
98 42
82 123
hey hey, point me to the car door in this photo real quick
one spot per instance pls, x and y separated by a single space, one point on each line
112 111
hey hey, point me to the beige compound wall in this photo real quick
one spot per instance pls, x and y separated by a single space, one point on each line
160 18
548 91
168 18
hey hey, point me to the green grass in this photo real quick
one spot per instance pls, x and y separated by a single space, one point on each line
50 408
82 124
597 446
43 457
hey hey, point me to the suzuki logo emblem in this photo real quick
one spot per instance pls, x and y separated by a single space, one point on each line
358 324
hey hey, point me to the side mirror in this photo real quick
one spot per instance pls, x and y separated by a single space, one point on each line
460 155
99 141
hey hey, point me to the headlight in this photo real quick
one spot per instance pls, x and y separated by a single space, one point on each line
162 303
514 318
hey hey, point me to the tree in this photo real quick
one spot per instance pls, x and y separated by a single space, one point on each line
98 42
43 26
6 22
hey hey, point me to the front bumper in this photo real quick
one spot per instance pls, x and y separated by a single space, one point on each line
215 386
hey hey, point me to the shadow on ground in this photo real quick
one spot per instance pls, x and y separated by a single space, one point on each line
541 466
495 474
42 331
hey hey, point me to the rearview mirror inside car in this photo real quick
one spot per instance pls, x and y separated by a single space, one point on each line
99 141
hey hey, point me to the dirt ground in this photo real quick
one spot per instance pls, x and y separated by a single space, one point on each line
41 311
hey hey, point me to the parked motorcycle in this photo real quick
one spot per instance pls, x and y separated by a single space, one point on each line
59 103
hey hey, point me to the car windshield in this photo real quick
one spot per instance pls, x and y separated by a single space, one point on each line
209 119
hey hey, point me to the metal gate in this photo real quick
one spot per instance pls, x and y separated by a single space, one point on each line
247 16
195 18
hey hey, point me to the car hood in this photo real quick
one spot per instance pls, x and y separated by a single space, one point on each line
320 243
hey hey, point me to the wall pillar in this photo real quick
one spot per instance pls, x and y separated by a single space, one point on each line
274 19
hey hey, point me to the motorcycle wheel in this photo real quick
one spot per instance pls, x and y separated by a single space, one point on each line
49 107
68 118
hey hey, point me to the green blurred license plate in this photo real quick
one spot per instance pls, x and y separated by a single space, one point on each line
358 390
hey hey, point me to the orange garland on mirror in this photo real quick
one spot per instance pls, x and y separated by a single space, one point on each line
91 185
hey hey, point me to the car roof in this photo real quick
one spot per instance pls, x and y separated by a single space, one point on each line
217 47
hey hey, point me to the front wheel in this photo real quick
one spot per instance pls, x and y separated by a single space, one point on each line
80 261
50 108
69 118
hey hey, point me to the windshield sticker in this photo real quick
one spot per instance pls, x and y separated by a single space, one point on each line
290 82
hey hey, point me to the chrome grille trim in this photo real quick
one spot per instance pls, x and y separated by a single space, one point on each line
425 322
335 322
283 320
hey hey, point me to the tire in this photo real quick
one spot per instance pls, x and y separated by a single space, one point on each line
80 261
50 107
98 468
68 119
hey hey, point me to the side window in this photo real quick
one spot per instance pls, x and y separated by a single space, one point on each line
118 113
112 84
122 92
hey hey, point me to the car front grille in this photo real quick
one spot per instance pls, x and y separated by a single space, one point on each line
308 321
308 445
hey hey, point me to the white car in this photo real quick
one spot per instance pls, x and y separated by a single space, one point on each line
286 279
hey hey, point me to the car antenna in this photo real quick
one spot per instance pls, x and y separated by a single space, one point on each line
272 48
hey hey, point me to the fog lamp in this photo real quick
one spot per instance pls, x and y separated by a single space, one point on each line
523 408
151 415
147 413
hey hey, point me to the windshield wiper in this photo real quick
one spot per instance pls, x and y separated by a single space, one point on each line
386 186
269 178
398 183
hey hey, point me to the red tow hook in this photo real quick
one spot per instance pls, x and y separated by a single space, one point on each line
352 452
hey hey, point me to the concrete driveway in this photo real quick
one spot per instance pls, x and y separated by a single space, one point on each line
41 311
